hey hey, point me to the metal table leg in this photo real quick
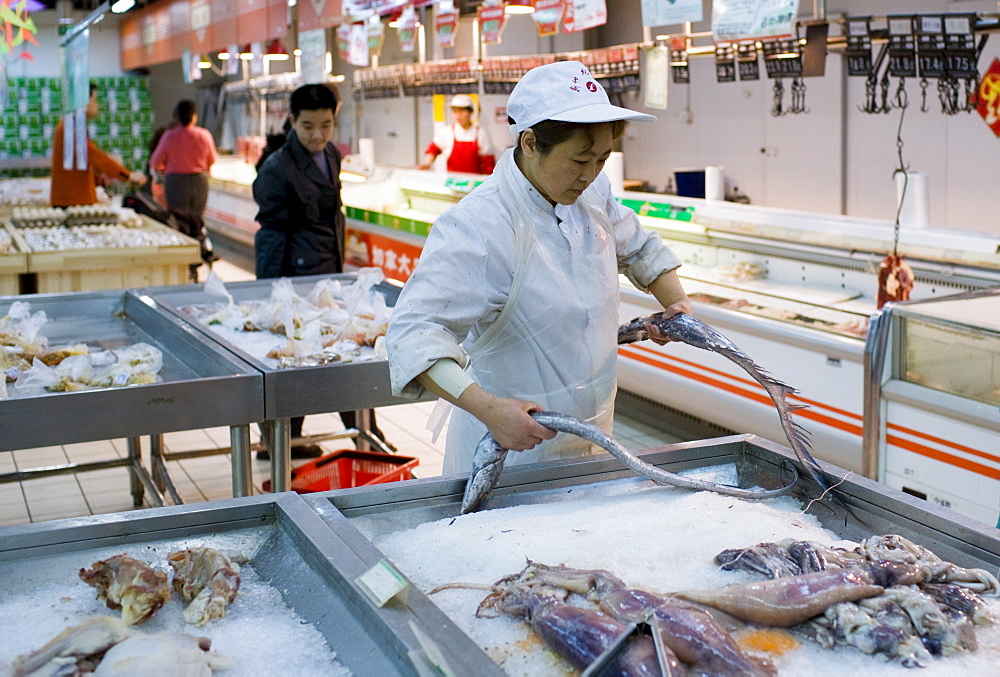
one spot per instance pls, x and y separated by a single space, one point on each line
134 483
279 443
158 466
138 479
363 422
239 441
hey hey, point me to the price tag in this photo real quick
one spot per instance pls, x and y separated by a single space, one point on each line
859 47
930 47
746 61
902 47
960 47
725 63
381 583
679 72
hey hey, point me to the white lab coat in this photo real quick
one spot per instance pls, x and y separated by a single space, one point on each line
525 296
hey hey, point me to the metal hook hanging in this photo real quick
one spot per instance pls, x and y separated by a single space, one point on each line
923 94
777 109
884 107
871 95
799 96
901 99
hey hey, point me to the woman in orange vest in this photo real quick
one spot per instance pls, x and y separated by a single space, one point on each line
79 186
467 146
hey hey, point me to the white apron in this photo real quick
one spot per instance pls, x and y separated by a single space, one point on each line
555 342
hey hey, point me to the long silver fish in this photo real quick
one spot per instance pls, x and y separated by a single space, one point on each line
684 328
489 457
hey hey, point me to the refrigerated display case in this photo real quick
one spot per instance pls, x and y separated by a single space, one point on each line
932 403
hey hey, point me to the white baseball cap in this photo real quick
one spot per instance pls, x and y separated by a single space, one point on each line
462 101
564 91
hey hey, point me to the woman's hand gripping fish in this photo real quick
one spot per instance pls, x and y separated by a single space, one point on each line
489 457
687 329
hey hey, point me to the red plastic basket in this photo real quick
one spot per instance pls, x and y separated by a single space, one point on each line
349 468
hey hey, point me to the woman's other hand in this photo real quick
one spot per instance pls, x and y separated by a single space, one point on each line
668 290
507 420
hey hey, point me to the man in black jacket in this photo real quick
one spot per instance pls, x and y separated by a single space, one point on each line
301 224
298 193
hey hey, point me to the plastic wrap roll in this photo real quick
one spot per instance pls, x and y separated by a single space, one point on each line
916 211
615 169
715 183
366 149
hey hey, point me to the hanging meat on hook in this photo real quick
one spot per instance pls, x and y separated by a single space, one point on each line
895 280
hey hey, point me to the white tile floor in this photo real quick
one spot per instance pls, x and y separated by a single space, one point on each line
209 478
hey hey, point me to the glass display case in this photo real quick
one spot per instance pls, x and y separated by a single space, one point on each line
932 401
953 345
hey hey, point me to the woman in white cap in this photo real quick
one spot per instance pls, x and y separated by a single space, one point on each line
466 146
513 306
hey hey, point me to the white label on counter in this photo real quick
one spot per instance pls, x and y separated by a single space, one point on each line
381 583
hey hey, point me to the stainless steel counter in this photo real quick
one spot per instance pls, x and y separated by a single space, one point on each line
289 546
202 385
362 516
296 391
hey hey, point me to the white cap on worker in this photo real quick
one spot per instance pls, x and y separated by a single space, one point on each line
564 91
462 101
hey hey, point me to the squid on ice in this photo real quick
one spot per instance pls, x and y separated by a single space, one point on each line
929 607
129 584
208 579
684 635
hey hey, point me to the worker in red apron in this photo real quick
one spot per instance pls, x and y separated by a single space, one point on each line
466 146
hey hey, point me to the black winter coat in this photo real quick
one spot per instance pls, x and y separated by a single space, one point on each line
301 223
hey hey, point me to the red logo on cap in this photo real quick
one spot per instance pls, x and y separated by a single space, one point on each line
591 86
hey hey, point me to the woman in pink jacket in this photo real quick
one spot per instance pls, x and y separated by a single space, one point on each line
185 154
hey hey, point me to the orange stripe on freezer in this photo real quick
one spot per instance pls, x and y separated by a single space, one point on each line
950 459
722 385
944 443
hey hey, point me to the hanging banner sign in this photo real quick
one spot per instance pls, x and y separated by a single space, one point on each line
343 41
660 13
654 82
408 29
375 31
491 19
357 45
547 15
743 19
989 97
445 27
584 14
313 57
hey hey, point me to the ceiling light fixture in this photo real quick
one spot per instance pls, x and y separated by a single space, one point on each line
276 51
519 6
122 6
